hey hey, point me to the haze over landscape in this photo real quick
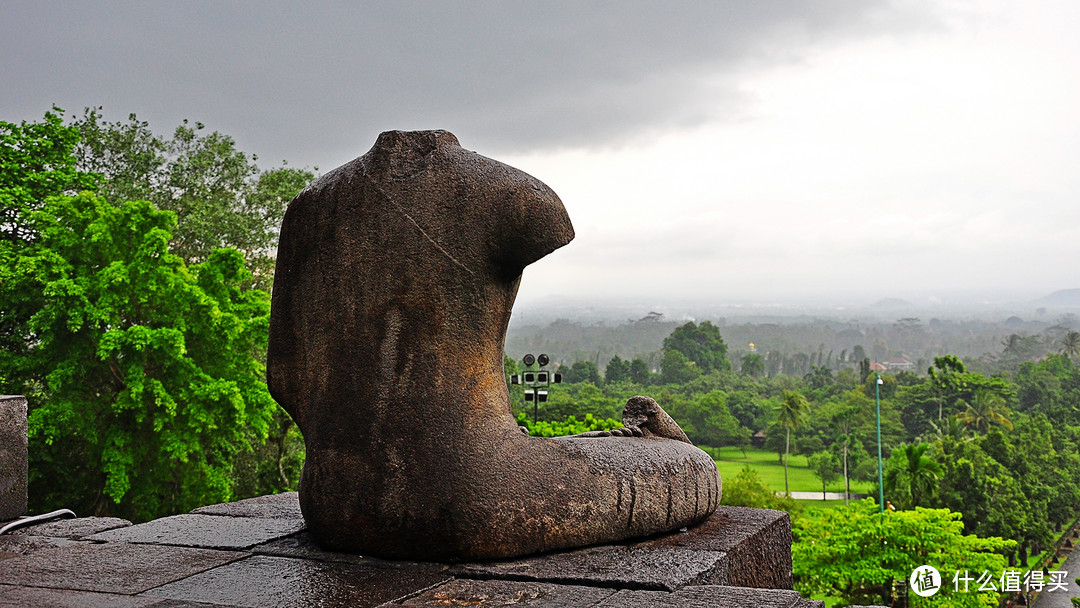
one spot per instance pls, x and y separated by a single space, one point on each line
827 154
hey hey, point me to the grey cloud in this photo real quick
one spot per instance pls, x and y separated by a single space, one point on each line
312 80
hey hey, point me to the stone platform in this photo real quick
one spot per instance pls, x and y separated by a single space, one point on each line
256 552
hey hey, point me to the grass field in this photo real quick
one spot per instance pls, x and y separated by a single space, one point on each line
801 479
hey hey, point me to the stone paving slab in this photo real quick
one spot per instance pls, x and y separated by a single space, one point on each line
464 592
271 560
272 506
73 528
303 546
17 546
110 568
64 598
617 566
206 531
266 581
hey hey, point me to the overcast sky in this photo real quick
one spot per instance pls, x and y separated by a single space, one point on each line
727 151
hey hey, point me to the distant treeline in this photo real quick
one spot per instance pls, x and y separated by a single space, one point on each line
795 348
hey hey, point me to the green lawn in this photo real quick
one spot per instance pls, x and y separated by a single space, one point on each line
801 479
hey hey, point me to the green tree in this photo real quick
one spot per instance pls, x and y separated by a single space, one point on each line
984 490
676 368
819 377
911 477
746 406
36 162
1017 348
219 195
617 370
944 377
753 365
852 553
791 413
701 344
581 371
1070 344
774 362
826 467
747 490
639 371
144 375
850 452
985 410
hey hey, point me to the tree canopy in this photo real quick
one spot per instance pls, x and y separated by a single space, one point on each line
855 551
219 195
145 375
701 344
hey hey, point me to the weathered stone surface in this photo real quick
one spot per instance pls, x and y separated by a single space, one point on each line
395 279
264 581
207 531
759 539
303 546
13 457
623 567
12 545
272 506
757 542
709 596
463 592
110 568
73 528
24 597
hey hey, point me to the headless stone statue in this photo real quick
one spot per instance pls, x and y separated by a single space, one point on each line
395 278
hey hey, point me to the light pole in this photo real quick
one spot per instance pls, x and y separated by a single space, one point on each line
533 379
877 402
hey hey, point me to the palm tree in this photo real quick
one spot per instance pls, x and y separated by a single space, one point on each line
848 445
950 427
984 411
1070 344
916 476
791 413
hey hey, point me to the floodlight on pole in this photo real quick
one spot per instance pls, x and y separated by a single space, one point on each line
535 378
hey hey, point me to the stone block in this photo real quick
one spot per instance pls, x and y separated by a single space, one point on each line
206 531
73 528
272 506
736 546
708 596
618 566
263 581
13 457
121 568
757 542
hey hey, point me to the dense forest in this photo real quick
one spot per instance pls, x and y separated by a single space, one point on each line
994 458
135 272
